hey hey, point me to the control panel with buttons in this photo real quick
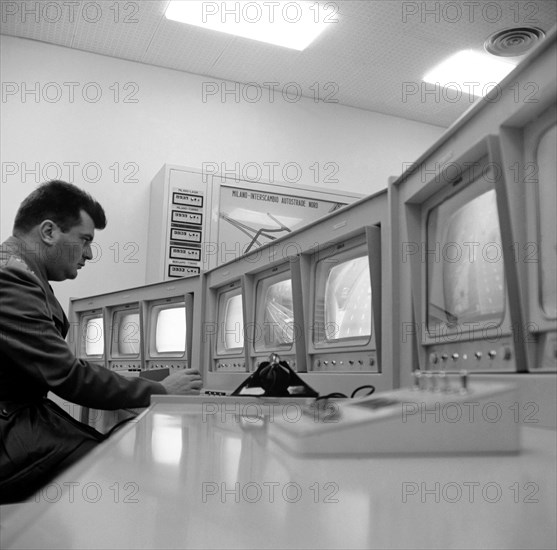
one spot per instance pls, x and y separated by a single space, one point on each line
230 365
125 368
345 362
473 356
171 364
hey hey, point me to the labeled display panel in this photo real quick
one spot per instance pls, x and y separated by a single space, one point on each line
198 220
250 218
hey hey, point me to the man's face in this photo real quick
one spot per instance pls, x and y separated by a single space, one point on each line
71 249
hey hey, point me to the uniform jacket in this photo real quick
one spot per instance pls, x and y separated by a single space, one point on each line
35 359
34 356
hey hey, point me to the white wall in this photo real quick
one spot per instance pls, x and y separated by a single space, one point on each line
52 134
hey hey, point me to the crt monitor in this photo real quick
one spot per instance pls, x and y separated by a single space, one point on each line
91 336
169 337
169 327
463 266
465 285
530 160
228 349
125 354
274 314
343 300
126 334
345 305
543 157
225 364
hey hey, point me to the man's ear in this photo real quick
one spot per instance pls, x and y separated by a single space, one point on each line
48 231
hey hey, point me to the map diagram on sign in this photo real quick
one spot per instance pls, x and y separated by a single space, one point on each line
250 219
255 233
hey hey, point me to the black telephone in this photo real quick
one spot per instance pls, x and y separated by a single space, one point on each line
275 378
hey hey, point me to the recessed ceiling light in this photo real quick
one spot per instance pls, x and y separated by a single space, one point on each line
471 72
289 24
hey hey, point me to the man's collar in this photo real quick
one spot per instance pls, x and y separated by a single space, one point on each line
31 254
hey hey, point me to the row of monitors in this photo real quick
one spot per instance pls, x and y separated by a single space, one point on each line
315 299
145 328
452 267
252 308
167 339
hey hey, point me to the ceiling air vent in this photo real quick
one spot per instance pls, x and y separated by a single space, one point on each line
513 42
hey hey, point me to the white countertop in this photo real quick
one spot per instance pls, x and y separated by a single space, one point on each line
179 478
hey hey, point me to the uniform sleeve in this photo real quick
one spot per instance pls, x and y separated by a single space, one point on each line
40 358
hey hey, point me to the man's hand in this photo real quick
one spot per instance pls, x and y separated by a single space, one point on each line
184 382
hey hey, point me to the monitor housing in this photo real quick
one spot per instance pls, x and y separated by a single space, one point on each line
459 248
172 313
344 304
90 345
273 306
528 148
223 335
126 337
280 286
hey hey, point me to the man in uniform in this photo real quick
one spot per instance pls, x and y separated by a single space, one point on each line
51 241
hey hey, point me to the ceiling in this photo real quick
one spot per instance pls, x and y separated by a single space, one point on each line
373 57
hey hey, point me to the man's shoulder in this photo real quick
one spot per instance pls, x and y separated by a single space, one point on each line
16 277
10 260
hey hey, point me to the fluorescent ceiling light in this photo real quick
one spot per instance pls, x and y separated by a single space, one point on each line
469 71
289 24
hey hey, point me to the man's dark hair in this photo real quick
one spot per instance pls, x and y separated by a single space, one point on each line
60 202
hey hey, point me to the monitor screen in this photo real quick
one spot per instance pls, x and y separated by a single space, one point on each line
465 273
230 332
547 230
170 329
274 322
343 309
128 335
94 336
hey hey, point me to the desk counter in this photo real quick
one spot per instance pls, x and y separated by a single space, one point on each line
178 477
